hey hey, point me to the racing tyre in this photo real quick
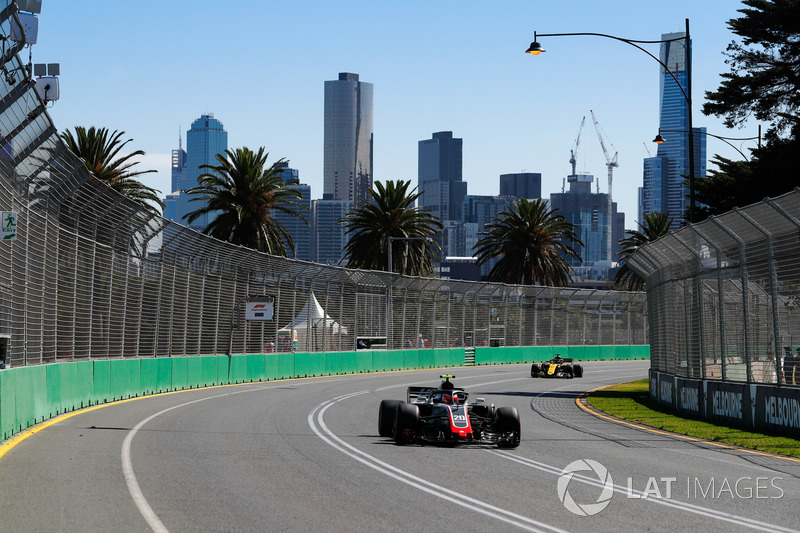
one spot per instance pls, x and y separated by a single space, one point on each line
386 414
406 421
535 369
508 427
577 371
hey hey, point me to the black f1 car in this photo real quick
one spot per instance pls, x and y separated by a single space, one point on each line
443 415
557 367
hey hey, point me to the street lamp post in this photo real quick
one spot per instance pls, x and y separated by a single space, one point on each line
536 48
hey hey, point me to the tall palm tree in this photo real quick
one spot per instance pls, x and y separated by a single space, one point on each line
100 150
656 224
243 193
392 214
533 243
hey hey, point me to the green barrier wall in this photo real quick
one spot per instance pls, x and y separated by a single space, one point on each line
30 395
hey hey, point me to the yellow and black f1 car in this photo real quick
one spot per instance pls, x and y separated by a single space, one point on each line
557 367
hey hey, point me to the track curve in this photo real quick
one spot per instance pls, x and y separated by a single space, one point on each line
304 454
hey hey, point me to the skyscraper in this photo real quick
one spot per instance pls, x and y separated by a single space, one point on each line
588 212
178 168
521 185
477 212
329 233
663 183
204 140
299 229
347 161
440 181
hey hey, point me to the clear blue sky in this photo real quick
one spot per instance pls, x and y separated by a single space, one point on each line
150 68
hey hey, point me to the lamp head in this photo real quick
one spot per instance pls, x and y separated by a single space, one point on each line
535 48
659 139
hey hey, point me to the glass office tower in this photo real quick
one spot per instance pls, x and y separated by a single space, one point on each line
439 168
588 212
521 185
347 161
297 227
329 234
206 138
663 183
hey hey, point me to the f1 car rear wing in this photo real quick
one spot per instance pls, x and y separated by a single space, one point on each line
413 393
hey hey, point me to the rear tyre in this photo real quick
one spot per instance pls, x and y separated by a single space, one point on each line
405 423
577 371
535 369
508 427
386 414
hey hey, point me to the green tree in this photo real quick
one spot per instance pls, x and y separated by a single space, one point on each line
100 150
733 185
242 193
533 243
656 224
764 83
392 214
764 77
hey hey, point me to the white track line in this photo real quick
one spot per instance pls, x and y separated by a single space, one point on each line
668 502
418 483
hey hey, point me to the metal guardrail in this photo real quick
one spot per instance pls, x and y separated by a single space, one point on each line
724 294
94 275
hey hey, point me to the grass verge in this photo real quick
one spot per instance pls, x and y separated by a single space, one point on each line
631 401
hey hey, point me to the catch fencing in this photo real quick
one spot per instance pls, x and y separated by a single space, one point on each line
91 274
723 295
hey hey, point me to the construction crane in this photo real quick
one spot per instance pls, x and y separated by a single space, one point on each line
573 154
611 163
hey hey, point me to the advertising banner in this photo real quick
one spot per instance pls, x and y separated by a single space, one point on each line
729 403
690 397
776 409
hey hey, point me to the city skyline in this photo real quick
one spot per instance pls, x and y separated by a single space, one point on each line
514 112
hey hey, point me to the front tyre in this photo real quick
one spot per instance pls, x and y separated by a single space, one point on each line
508 427
577 371
386 414
405 423
535 369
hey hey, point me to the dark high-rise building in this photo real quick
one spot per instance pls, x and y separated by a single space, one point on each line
298 228
477 212
440 176
329 234
521 185
663 187
348 138
206 138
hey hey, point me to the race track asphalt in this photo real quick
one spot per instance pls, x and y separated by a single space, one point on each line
304 455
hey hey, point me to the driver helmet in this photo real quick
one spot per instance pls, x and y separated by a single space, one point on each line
448 399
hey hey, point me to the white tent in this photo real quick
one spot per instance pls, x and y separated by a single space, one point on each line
313 327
